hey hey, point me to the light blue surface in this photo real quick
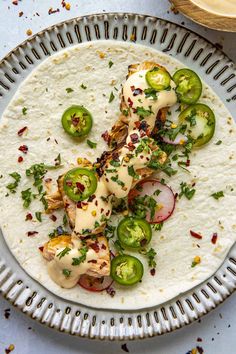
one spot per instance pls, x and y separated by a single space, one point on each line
217 329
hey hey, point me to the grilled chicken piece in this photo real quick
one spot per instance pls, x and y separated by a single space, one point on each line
100 246
54 201
119 130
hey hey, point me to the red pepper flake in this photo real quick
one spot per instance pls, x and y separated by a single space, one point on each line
137 91
21 131
92 261
187 163
51 11
32 233
21 13
20 159
79 205
108 212
130 146
103 247
110 291
196 235
102 210
200 350
199 339
103 265
91 198
134 138
153 271
29 216
41 248
7 313
96 202
9 349
80 186
23 148
105 136
124 348
214 238
137 124
132 88
48 180
15 2
53 217
130 102
95 247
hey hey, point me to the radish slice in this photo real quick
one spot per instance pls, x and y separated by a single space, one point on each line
95 284
165 199
180 139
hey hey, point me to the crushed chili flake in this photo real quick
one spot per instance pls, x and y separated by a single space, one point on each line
130 102
32 233
103 265
137 91
20 159
7 313
53 217
29 216
15 2
110 291
91 198
80 186
51 11
41 248
195 234
103 247
199 339
134 138
95 246
214 238
21 131
92 261
130 146
79 205
48 180
153 271
21 13
200 350
105 136
108 212
124 348
24 149
96 202
137 124
132 88
9 349
187 163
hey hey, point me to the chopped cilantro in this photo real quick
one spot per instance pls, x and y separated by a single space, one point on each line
110 64
109 231
65 221
151 93
83 86
76 261
111 98
125 112
118 181
157 227
66 272
69 90
118 247
186 191
64 252
143 205
150 254
12 186
115 163
24 111
218 195
27 196
91 144
218 142
132 172
142 112
38 216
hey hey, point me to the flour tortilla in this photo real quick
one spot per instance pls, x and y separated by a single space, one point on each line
212 169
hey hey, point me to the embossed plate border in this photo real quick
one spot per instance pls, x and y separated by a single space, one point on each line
219 72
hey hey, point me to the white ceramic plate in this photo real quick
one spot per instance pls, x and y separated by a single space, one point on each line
217 71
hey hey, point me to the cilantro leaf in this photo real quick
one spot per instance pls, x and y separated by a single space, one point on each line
91 144
64 252
217 195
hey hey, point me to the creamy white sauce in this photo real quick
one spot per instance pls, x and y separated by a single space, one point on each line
92 214
218 7
58 264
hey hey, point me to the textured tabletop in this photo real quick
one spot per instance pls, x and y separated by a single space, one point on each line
214 333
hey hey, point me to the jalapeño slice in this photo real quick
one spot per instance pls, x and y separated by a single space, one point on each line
200 121
189 86
158 78
79 183
77 121
134 232
126 270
